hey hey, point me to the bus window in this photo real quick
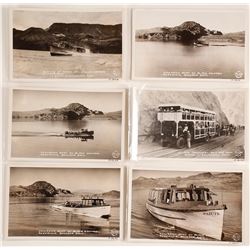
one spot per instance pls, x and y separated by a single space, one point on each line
197 125
197 117
184 115
202 117
188 116
192 116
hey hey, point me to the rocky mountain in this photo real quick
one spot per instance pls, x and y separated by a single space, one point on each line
37 189
188 31
96 37
214 181
74 111
149 126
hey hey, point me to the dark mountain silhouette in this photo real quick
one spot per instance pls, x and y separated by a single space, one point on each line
37 189
187 32
73 111
96 37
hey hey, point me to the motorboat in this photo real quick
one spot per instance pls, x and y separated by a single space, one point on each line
191 208
92 207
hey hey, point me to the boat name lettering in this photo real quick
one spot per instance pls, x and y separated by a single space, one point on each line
211 213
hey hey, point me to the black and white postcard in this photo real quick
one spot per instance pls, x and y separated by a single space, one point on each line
64 202
67 125
66 44
198 42
192 124
194 206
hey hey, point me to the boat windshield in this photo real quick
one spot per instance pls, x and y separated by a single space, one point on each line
93 202
168 196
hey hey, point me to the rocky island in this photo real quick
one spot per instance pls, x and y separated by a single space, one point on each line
73 111
45 189
191 32
37 189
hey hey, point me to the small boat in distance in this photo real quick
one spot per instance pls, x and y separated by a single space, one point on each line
88 206
57 51
191 208
83 134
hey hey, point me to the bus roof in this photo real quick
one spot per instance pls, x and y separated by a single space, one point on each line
187 107
181 188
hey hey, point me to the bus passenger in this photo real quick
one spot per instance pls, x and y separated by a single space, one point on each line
188 139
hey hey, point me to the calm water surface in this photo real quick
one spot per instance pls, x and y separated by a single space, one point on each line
145 226
158 59
36 217
107 139
40 65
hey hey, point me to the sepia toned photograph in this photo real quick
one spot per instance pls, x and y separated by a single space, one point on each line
200 42
176 205
192 124
67 125
49 44
64 202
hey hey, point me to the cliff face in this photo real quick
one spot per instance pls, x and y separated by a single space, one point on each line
96 37
187 32
37 189
214 181
149 127
74 111
233 105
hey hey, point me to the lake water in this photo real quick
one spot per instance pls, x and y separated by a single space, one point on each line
145 226
36 217
105 145
40 65
174 60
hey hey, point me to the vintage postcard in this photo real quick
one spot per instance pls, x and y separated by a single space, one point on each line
192 124
198 42
67 125
64 202
66 44
180 205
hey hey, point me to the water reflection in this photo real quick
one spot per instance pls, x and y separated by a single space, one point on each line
76 124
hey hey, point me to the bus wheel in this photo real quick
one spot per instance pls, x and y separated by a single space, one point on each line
181 142
163 143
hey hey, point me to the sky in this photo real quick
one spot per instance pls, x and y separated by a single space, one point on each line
24 19
162 173
73 179
32 100
224 21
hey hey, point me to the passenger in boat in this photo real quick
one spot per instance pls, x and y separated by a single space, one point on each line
194 195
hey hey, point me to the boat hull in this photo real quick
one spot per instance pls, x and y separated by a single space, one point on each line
208 223
97 212
60 54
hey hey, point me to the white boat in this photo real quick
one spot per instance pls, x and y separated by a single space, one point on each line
192 209
92 207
